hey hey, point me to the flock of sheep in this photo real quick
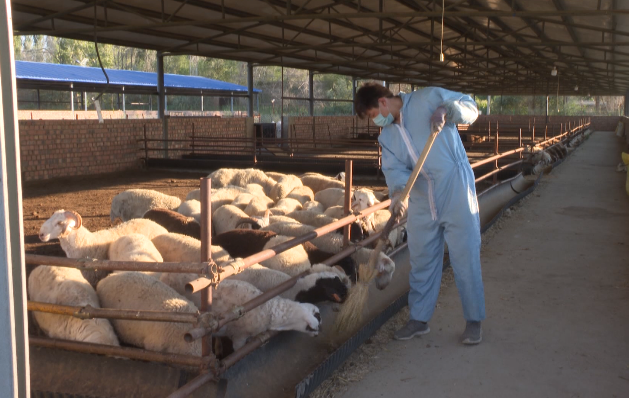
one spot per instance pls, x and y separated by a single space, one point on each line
251 211
540 159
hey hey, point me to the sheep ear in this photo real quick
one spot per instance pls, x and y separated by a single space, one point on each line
76 217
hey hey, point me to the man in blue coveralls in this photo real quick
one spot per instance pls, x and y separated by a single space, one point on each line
443 203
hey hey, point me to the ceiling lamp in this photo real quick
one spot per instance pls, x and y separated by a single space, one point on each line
576 88
554 71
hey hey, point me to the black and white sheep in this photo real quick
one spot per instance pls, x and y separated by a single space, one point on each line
276 314
175 222
133 203
66 286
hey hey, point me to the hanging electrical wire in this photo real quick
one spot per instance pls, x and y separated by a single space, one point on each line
100 62
443 11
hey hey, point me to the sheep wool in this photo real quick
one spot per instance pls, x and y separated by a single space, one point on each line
242 201
335 212
276 314
313 205
274 175
191 208
330 197
226 218
134 247
137 291
66 286
302 193
133 203
241 178
258 205
285 206
318 182
292 262
284 186
176 248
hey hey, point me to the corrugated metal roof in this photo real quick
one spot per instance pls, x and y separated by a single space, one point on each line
41 71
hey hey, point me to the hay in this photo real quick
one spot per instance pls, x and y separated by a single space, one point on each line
351 313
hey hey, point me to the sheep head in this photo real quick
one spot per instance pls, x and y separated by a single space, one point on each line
385 268
362 199
61 223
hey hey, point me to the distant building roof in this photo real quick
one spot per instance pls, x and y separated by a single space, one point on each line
59 77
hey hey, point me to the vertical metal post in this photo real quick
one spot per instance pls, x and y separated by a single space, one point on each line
347 203
231 107
161 110
124 103
250 89
354 83
14 351
84 100
310 92
202 107
72 99
533 135
520 142
496 149
489 104
206 255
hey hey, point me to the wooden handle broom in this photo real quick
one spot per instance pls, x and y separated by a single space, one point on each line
351 312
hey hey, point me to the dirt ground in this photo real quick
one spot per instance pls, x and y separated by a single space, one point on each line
91 198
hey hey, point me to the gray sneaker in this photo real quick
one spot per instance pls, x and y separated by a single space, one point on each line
473 333
411 329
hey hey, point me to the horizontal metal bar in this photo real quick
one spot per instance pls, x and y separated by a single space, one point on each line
498 170
108 265
125 352
89 312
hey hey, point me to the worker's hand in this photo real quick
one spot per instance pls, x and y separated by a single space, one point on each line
438 120
398 207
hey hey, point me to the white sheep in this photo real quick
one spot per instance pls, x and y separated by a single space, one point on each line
276 314
284 186
135 247
133 203
241 178
78 242
310 217
315 206
242 201
335 212
303 194
285 206
191 208
258 205
226 218
66 286
274 175
362 199
176 248
292 261
330 197
137 291
318 182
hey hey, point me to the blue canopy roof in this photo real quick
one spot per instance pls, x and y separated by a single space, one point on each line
59 73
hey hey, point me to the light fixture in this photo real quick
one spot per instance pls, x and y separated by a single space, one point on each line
554 71
576 88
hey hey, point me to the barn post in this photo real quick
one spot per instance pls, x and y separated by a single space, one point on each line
489 104
72 99
354 83
627 103
311 92
250 89
14 351
162 101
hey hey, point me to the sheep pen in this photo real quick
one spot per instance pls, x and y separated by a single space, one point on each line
91 198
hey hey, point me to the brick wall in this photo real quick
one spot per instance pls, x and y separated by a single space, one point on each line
62 148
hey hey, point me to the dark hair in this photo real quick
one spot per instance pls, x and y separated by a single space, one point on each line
367 97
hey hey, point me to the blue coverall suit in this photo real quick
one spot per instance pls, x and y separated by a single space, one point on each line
442 202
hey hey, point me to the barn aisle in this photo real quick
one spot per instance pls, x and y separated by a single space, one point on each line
557 289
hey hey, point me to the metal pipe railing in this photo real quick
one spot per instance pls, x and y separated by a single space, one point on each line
89 312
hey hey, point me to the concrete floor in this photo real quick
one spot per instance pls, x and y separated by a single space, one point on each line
557 292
